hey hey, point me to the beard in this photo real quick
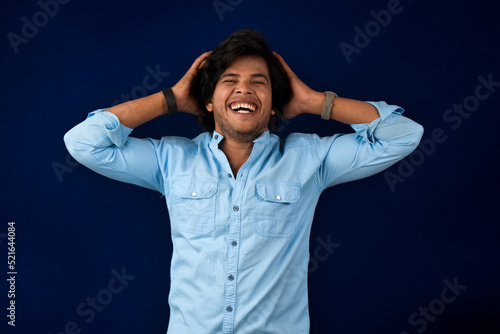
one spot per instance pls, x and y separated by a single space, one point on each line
236 134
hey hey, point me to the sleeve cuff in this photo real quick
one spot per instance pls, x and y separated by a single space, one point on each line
385 110
117 132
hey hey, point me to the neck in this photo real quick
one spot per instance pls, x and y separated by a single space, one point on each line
237 153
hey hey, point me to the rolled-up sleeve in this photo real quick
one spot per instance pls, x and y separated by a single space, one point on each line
372 148
102 144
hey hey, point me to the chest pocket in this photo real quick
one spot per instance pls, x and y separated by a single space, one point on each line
194 201
275 208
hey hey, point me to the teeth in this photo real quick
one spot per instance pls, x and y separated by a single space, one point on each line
248 106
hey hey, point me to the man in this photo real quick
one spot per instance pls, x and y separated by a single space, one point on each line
241 200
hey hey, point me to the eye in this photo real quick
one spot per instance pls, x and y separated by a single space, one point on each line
229 81
259 82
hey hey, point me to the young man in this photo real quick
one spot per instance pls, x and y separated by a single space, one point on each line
241 200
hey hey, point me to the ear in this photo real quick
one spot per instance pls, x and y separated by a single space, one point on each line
209 106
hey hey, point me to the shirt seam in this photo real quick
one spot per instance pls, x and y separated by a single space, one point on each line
318 164
317 160
363 164
120 168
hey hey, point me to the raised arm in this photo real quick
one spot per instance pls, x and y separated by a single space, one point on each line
136 112
102 141
383 136
306 100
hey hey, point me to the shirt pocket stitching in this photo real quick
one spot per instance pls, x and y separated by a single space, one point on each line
275 208
195 205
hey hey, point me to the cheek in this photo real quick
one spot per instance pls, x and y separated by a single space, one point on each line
220 96
266 97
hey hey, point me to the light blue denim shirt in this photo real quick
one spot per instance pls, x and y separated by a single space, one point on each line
241 242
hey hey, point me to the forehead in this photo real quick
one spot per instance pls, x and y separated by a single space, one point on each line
248 64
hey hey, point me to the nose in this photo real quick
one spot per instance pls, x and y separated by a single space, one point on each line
244 88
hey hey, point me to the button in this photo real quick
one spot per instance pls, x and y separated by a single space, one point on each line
229 175
216 137
194 194
234 243
229 309
235 208
278 197
230 277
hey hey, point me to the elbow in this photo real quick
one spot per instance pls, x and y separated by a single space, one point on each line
75 146
69 142
414 133
417 133
405 138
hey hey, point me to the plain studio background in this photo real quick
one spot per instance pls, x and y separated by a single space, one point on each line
412 250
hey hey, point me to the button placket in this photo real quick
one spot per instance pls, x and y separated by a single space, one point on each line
232 267
234 225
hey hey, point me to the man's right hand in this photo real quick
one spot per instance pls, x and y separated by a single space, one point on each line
182 89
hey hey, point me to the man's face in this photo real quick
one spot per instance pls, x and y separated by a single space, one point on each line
242 100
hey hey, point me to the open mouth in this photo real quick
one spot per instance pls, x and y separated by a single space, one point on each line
243 107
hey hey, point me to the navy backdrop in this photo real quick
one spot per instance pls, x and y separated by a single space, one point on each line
411 250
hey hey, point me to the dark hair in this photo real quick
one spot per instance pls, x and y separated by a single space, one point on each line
240 43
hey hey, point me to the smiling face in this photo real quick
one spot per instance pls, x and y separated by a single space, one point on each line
242 100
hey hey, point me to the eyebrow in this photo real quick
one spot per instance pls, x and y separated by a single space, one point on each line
255 75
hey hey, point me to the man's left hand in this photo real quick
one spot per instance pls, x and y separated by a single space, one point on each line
303 98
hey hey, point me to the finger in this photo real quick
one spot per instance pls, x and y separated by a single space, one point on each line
287 68
202 64
199 62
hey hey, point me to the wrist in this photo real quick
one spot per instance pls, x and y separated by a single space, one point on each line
159 103
185 103
169 96
315 103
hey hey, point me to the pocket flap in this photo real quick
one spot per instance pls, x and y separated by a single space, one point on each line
194 188
278 192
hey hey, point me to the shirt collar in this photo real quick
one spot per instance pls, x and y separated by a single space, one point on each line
216 137
264 138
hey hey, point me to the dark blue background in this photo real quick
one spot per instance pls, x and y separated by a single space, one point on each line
397 245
